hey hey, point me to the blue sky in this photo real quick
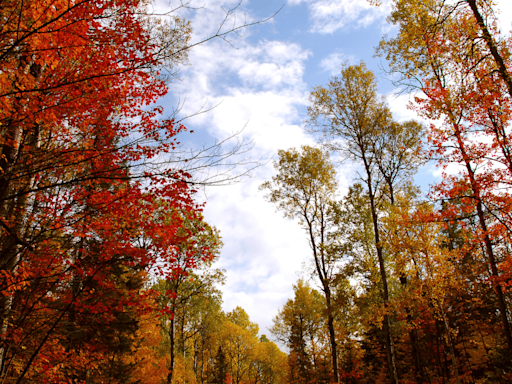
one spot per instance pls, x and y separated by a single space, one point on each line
262 81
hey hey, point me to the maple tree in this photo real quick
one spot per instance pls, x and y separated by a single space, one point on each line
87 168
467 92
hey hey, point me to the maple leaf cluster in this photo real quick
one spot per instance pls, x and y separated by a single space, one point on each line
88 201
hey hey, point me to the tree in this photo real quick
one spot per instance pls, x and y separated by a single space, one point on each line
304 189
239 337
298 326
177 291
221 371
66 95
493 46
269 363
210 346
199 322
356 123
419 250
460 65
86 162
205 321
149 363
181 301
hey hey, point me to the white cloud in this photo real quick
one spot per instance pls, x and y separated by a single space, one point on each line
400 105
333 62
265 91
329 16
263 252
262 84
505 15
259 84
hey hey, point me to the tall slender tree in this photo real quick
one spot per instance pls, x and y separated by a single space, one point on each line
304 189
354 121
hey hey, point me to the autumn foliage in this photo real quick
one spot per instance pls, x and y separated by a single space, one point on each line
106 261
419 284
89 201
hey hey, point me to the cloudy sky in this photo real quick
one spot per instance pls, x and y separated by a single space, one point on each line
261 80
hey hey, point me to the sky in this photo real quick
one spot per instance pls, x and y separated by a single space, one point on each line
259 81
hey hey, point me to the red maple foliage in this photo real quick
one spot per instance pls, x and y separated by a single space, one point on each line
89 201
470 101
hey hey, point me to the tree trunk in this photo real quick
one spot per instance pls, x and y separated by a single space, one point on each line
322 274
418 367
12 242
172 341
450 343
390 349
487 241
332 335
502 68
420 374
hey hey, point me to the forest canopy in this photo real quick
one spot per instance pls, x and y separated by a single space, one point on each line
107 262
412 287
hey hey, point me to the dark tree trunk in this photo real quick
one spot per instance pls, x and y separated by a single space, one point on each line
332 335
322 274
502 68
390 350
502 306
172 357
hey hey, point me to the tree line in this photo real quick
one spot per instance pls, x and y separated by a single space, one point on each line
412 288
106 270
